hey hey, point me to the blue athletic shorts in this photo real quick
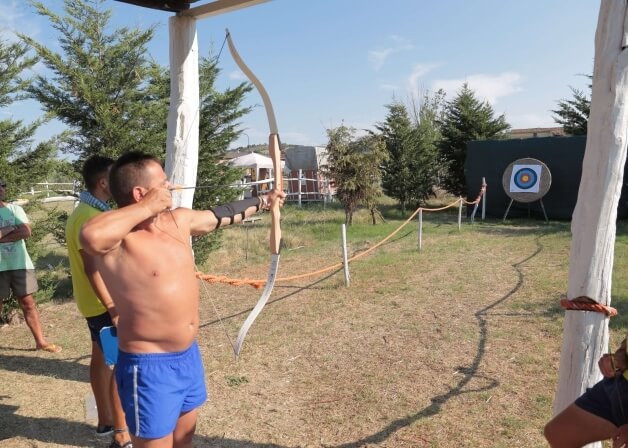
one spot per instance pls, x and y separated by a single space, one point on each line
156 388
607 399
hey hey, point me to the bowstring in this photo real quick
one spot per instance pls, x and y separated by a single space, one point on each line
174 166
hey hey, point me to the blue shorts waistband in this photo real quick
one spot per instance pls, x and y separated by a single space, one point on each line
155 357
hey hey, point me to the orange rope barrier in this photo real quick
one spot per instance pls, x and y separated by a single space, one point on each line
259 283
586 304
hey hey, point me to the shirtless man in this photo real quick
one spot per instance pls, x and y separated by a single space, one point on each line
144 256
598 414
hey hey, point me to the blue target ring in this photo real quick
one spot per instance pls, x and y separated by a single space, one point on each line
525 178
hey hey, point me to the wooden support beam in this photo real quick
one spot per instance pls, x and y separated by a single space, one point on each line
164 5
218 7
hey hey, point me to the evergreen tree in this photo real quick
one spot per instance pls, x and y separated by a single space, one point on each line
104 88
355 166
465 119
573 114
411 169
399 138
19 163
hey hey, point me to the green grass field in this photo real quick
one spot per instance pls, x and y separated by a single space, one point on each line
455 345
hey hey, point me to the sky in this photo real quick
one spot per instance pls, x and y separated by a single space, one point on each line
330 62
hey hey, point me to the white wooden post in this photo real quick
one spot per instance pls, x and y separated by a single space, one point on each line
484 199
420 228
299 183
460 214
183 117
345 258
585 334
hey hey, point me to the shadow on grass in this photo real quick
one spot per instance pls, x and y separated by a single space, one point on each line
469 372
64 369
520 228
64 432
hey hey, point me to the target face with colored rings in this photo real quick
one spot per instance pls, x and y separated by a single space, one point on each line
525 178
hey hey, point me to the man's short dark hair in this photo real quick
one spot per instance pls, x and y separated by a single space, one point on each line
94 169
128 172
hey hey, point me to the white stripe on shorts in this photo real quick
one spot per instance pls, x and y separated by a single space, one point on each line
136 403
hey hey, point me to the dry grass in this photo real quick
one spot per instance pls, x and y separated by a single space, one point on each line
454 346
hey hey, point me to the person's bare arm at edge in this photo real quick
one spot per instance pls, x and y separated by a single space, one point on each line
105 231
98 285
204 221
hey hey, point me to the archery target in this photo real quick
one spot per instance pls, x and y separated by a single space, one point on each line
525 179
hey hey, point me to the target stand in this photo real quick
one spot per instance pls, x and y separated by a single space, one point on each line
526 180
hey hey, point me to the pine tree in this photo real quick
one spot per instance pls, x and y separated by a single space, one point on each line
399 138
19 162
411 169
465 119
573 114
104 86
355 166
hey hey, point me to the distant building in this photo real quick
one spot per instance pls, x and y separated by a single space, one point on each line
305 176
536 132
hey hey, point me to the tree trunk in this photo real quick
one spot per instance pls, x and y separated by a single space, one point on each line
183 119
585 334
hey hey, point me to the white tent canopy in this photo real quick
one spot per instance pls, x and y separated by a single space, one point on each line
252 160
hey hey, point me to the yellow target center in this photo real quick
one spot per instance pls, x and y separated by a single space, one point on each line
525 178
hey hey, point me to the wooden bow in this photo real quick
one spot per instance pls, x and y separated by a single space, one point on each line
275 231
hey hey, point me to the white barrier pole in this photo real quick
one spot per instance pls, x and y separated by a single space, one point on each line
460 215
299 182
420 229
345 259
484 199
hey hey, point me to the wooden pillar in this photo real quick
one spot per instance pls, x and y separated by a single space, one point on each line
585 334
183 117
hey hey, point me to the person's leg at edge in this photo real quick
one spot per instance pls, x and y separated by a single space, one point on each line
164 442
121 434
184 431
180 438
574 427
31 316
100 378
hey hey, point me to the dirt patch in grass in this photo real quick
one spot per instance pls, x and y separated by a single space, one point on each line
456 345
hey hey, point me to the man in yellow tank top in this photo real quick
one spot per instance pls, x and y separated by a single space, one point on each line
93 299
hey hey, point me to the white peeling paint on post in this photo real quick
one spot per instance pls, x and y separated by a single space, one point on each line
420 229
345 258
585 334
183 117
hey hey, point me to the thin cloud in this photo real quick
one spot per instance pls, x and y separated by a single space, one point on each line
237 75
378 57
388 87
13 19
419 71
486 87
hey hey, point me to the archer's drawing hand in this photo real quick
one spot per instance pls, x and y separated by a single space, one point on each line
157 200
621 437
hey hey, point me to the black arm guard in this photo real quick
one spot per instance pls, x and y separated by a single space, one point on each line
232 209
